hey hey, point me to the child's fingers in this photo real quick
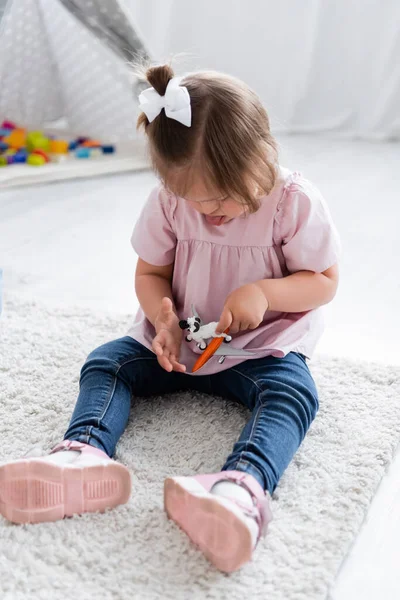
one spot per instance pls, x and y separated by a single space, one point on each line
162 354
177 366
225 320
166 359
165 363
157 347
166 304
234 328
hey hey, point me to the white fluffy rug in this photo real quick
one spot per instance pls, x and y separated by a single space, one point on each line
134 552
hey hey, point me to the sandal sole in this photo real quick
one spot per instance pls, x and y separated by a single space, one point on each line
35 491
210 522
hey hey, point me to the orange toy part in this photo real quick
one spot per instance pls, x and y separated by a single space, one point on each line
16 139
91 144
59 146
208 352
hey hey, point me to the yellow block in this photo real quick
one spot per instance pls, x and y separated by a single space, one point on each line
36 160
59 146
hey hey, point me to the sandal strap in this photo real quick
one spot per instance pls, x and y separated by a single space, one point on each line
260 510
67 445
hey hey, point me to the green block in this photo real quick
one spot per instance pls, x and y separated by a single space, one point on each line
35 140
3 161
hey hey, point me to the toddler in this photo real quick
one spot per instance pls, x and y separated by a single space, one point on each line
249 245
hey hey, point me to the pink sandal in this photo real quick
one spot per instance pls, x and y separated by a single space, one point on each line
34 490
216 524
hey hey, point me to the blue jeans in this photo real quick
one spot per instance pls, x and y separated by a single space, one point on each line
279 392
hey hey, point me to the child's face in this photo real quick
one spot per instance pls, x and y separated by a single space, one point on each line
217 208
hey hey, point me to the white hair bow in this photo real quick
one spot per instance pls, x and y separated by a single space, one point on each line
175 102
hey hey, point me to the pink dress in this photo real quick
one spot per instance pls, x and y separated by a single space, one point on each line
292 231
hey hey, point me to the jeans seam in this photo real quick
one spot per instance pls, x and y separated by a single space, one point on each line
246 377
115 383
255 419
108 402
246 463
251 432
133 360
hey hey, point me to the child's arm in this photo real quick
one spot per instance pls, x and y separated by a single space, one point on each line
153 289
305 290
152 284
301 291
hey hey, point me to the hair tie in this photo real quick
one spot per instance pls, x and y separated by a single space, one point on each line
175 102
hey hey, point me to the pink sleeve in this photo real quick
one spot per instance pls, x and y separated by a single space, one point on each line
305 230
153 237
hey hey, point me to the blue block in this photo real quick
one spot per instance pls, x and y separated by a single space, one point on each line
73 145
20 156
3 146
4 131
108 149
82 153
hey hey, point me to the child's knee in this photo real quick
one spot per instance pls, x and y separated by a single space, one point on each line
105 357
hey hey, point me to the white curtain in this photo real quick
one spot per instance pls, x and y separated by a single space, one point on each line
318 65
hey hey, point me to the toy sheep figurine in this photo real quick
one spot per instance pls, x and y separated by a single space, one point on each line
200 333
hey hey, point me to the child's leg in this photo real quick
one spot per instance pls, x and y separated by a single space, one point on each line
282 396
225 513
84 478
111 375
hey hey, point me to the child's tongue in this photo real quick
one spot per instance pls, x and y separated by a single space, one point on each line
215 220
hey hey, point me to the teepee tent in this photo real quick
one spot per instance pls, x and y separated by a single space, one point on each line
65 66
69 59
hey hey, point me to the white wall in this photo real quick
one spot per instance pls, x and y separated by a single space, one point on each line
318 65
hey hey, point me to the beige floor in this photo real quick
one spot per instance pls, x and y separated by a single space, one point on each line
68 243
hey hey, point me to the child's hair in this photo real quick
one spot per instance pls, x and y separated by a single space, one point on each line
229 140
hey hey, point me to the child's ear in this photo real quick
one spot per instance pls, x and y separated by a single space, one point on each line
183 324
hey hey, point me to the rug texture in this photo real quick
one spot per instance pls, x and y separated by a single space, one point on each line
134 551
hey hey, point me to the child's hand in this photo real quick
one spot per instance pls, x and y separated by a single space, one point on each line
167 343
244 309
